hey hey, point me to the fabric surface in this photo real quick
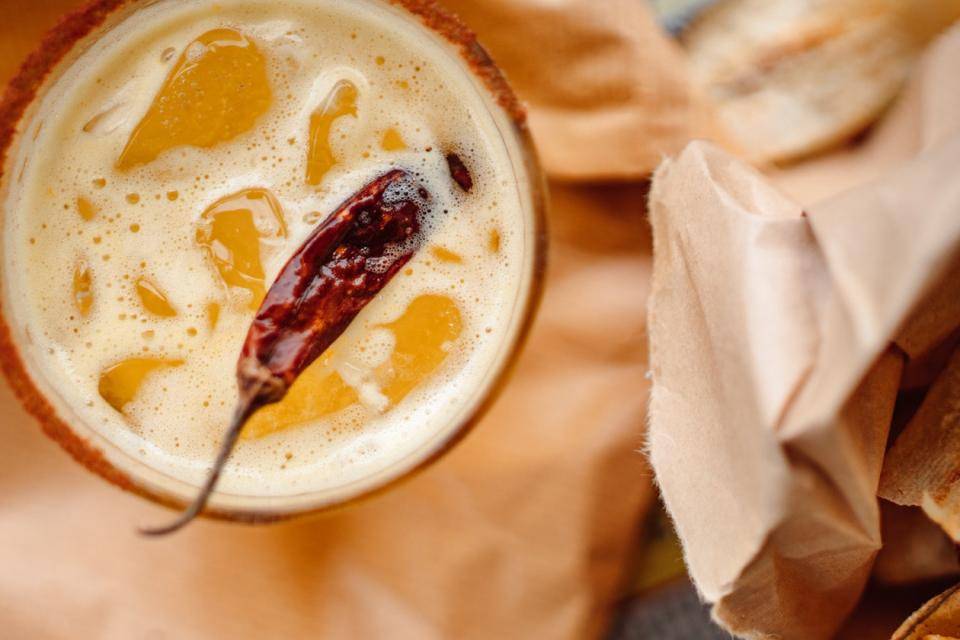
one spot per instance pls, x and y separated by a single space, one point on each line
525 529
607 88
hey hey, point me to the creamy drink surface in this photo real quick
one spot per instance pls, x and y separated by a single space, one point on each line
123 285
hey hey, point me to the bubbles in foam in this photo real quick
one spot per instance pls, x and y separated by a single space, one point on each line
176 418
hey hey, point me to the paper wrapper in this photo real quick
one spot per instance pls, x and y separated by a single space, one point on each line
525 530
774 367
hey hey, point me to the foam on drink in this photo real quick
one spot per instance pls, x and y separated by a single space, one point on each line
138 244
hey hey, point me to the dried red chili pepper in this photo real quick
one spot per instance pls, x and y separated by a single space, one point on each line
344 263
459 172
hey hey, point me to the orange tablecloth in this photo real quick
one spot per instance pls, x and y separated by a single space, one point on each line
525 530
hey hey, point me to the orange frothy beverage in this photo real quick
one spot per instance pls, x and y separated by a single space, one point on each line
171 170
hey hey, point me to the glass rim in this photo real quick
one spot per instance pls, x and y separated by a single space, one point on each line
23 91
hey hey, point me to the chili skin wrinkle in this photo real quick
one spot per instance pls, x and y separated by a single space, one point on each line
337 271
459 172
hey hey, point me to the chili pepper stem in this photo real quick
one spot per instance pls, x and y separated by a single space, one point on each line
319 292
247 406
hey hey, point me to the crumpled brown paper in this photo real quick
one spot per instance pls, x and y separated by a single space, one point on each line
525 529
774 374
608 90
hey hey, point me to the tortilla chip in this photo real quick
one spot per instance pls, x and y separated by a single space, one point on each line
939 619
793 77
923 466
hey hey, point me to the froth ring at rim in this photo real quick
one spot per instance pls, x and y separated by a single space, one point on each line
84 25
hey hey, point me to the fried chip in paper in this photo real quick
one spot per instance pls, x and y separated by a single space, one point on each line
793 77
939 619
923 466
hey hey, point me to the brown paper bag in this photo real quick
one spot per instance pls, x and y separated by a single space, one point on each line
774 379
608 89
